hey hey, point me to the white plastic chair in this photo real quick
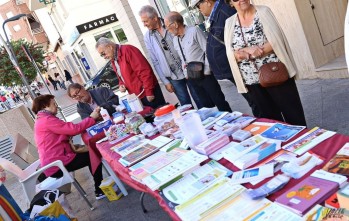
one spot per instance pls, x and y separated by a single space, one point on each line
28 177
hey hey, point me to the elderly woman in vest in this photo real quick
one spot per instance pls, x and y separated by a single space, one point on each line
252 38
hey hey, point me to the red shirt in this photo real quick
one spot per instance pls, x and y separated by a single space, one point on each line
136 71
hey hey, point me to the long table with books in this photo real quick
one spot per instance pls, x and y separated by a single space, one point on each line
325 150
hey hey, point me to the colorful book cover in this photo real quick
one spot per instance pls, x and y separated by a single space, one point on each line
259 153
282 132
308 140
340 162
332 201
139 154
306 194
258 127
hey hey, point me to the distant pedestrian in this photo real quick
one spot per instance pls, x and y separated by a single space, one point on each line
60 81
53 82
68 76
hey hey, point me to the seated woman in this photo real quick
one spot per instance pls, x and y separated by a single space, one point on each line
52 137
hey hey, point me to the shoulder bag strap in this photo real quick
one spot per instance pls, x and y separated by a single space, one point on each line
180 47
243 38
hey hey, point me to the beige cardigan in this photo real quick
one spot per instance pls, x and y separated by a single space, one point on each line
275 36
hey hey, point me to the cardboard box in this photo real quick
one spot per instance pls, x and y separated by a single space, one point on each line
98 128
110 189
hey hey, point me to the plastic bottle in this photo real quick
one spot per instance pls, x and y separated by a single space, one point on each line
191 128
105 114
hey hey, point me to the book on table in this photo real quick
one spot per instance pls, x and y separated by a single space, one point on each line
206 202
306 194
154 162
194 183
258 127
282 132
257 154
340 162
144 150
235 151
174 171
308 140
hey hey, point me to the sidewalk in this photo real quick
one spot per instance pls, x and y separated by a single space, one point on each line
325 105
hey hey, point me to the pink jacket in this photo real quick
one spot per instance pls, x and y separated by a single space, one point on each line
52 138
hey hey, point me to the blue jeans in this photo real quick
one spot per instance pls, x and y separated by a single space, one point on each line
210 93
181 90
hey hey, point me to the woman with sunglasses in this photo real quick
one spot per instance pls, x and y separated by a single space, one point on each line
253 37
52 137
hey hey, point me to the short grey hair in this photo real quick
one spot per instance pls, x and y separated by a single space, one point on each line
104 42
149 10
175 17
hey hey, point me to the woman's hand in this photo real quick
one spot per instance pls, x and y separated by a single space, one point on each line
254 51
96 113
241 55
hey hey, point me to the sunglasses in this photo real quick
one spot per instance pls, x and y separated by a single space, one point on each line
76 95
164 42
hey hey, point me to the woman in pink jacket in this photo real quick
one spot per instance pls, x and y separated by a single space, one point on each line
52 137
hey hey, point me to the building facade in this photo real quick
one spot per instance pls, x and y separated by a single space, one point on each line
313 29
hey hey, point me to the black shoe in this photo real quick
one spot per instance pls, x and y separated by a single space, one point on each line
99 196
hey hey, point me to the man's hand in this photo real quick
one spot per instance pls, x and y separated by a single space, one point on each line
169 87
96 113
150 98
122 88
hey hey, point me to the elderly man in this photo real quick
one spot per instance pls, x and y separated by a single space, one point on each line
89 100
190 43
165 59
217 11
133 71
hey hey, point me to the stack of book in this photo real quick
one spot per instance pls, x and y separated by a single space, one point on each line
185 164
144 150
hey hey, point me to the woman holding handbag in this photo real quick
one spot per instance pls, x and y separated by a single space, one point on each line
261 61
52 137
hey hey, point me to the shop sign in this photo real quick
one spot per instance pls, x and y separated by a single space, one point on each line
96 23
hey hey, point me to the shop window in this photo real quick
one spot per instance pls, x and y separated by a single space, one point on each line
9 14
105 34
120 34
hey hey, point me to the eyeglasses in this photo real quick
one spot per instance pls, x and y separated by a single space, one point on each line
198 4
234 0
102 54
76 95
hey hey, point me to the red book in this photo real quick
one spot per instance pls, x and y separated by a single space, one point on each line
332 202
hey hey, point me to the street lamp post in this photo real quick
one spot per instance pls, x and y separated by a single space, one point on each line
13 58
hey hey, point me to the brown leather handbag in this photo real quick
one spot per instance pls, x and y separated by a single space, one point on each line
272 74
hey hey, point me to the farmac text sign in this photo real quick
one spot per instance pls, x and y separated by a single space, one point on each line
88 26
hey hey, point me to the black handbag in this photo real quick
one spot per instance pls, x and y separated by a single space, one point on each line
195 69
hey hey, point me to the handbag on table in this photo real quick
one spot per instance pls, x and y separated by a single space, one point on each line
195 69
270 74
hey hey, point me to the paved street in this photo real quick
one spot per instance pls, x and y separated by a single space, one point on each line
325 104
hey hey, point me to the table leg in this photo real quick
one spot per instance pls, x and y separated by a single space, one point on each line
115 178
142 202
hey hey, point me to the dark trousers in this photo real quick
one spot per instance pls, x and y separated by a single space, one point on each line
280 103
210 93
158 101
249 100
82 160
